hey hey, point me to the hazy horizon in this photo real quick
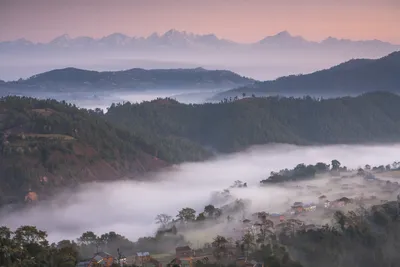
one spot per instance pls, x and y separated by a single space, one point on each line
160 33
312 19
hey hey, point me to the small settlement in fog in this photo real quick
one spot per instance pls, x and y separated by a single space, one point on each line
342 190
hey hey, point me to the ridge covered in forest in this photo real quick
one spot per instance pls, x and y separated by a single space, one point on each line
355 76
236 124
47 144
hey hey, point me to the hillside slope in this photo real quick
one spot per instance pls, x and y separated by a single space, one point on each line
353 77
232 126
47 145
134 79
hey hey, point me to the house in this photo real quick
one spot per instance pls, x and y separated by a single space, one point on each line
145 259
185 262
31 197
84 264
297 207
310 207
102 259
141 258
183 252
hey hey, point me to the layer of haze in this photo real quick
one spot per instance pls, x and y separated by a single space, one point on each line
238 20
103 100
129 207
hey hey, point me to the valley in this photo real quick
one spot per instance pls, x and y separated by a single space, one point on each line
164 133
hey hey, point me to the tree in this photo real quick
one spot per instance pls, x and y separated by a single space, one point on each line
335 165
65 254
200 217
186 215
322 167
209 210
244 95
219 242
219 245
33 244
88 238
248 241
163 219
8 248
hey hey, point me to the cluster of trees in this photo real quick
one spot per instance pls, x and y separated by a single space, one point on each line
232 126
235 98
381 168
359 238
302 171
28 246
363 238
187 214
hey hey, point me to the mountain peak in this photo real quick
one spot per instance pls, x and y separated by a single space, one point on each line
116 35
283 37
283 34
62 40
64 37
173 32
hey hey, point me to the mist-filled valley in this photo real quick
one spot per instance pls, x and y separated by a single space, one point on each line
245 176
132 206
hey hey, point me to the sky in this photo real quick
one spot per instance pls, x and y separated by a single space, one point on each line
237 20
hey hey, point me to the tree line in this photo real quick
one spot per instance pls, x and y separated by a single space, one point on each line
234 125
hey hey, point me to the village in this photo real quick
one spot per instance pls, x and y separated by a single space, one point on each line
299 214
184 256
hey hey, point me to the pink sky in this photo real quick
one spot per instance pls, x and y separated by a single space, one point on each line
237 20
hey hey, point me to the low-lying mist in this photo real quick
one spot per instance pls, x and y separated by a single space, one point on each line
104 99
129 207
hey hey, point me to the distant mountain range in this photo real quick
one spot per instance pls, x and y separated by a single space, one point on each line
352 77
182 39
269 58
72 79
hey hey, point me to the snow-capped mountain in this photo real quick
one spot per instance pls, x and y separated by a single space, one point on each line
183 39
61 41
285 39
115 39
273 56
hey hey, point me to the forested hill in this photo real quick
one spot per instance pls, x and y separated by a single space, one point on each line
232 126
132 79
46 144
353 77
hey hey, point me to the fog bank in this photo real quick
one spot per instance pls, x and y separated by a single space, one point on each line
129 207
